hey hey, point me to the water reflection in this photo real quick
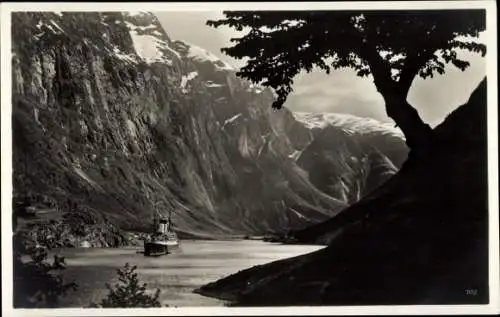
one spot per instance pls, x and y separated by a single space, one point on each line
177 275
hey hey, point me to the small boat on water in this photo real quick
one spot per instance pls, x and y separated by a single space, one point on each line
163 239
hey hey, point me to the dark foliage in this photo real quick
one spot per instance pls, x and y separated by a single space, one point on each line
36 282
393 46
129 292
280 44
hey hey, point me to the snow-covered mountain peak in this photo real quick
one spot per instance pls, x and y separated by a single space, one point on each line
350 123
201 55
137 13
149 39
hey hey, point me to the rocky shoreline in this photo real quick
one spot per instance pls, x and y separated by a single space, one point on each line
61 233
45 223
58 234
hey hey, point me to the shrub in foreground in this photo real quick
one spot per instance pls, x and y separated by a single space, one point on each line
128 292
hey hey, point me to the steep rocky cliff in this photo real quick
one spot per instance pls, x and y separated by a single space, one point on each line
112 120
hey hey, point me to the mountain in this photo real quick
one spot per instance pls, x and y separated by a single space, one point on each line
349 156
113 120
420 238
384 137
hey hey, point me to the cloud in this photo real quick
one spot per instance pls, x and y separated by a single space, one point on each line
347 103
338 92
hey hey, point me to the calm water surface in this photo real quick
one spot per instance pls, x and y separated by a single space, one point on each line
177 275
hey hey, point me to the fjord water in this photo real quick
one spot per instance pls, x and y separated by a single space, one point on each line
196 263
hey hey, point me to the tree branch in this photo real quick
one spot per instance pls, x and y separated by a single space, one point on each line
379 68
413 64
416 61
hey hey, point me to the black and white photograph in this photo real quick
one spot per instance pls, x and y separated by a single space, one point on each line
235 156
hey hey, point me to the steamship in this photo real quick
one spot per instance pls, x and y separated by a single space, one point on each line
163 238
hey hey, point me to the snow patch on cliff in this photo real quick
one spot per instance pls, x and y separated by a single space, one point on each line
48 26
168 48
155 32
122 56
144 28
185 79
295 155
254 88
57 26
298 214
232 119
243 145
211 84
201 55
149 47
137 13
131 128
84 176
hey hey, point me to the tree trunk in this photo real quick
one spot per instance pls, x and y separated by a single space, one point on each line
418 134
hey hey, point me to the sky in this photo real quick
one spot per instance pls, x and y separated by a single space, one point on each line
341 91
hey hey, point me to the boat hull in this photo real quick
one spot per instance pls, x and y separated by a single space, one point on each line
157 248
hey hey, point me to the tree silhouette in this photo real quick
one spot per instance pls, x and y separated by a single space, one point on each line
128 292
393 46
